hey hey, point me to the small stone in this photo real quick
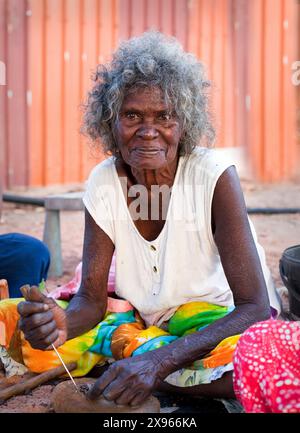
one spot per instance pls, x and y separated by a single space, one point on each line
65 399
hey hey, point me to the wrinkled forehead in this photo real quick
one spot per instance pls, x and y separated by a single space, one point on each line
149 95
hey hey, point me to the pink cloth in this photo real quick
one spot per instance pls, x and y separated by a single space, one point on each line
267 367
66 291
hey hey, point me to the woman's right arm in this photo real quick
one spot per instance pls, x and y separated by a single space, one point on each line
91 300
45 323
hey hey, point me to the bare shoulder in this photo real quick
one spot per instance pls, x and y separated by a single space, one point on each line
228 205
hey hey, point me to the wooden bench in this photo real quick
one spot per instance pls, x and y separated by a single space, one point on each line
52 237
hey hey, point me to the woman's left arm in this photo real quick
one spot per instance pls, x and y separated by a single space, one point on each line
242 267
133 379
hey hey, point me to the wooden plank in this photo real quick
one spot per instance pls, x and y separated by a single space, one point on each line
16 91
36 91
70 201
54 92
71 77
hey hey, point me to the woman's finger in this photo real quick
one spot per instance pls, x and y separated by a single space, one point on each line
61 339
50 339
45 343
41 332
113 390
33 322
28 308
39 319
32 293
139 398
102 383
127 396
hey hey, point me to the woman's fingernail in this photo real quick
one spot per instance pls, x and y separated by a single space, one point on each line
46 307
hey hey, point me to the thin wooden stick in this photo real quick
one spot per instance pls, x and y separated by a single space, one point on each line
35 381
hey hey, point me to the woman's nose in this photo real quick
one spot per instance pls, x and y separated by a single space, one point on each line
147 132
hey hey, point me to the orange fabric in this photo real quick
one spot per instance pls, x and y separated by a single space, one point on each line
122 337
9 317
222 354
141 338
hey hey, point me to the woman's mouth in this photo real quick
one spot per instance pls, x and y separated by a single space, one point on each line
147 151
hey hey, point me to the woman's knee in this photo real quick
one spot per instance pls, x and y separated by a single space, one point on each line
23 260
33 248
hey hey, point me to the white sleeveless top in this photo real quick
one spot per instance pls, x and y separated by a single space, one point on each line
182 264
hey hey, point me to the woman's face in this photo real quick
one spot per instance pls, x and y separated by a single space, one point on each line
147 132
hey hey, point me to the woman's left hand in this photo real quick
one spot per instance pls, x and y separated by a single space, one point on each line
131 380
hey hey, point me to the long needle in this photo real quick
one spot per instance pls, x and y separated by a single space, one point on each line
65 367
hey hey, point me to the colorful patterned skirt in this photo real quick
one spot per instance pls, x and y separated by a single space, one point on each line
122 334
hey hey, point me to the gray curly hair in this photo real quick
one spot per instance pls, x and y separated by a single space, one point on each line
151 59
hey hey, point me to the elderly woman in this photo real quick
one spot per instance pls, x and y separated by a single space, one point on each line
190 276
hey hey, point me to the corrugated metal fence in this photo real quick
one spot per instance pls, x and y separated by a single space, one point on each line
250 47
50 48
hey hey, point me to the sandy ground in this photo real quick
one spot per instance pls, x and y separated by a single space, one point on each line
275 233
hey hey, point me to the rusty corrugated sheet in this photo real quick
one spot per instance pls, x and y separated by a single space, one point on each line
168 16
13 114
211 38
250 47
271 96
66 41
3 119
51 47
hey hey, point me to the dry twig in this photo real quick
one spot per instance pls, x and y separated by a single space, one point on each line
33 382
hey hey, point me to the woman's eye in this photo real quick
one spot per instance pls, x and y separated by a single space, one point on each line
131 116
165 116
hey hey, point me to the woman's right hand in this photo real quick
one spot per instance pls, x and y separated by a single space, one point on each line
42 321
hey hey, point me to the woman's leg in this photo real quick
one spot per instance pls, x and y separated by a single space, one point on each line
23 260
221 388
